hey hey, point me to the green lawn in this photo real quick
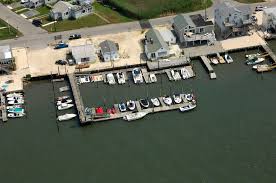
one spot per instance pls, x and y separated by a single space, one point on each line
8 33
109 14
43 10
250 1
87 21
145 9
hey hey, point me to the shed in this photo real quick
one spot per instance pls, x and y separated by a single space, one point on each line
83 53
109 50
168 36
6 56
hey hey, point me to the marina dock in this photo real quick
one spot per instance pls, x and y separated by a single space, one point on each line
208 66
270 52
3 109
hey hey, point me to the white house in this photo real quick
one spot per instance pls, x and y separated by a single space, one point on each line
109 51
83 53
269 19
168 36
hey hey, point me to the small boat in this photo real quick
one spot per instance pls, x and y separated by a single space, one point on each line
144 103
14 98
64 88
84 79
135 116
14 95
220 59
153 78
66 101
185 73
16 110
252 55
121 78
260 66
110 79
187 108
137 75
14 106
64 106
16 115
254 61
228 58
122 107
177 99
189 97
214 60
14 102
66 117
63 97
131 105
175 74
167 100
155 102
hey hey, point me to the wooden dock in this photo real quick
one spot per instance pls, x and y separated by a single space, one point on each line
270 52
3 109
208 66
78 99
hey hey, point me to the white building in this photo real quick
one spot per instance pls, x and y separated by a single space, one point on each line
83 53
6 56
269 19
109 50
168 36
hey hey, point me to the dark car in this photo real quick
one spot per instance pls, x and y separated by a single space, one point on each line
74 36
37 23
61 62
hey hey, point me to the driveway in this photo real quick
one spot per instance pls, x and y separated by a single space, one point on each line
18 22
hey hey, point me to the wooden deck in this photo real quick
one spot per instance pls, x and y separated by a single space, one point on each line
3 109
208 66
270 52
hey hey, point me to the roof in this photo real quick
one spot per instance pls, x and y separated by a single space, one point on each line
226 8
5 52
199 21
167 34
270 11
108 46
83 51
61 6
181 21
155 41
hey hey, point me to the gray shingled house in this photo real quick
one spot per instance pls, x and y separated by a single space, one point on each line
194 26
231 20
109 50
83 53
269 20
155 46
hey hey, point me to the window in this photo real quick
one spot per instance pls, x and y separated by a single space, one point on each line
66 13
83 11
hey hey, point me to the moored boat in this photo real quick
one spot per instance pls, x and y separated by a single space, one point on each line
66 117
189 97
144 103
16 115
187 108
121 78
64 106
14 95
185 73
137 76
122 107
64 101
14 106
214 60
252 55
131 105
155 102
167 100
153 78
16 110
177 99
110 79
135 116
63 97
228 58
15 102
14 98
255 60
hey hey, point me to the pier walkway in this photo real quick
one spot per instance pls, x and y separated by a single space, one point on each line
270 52
3 109
210 69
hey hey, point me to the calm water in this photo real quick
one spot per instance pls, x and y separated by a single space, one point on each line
230 137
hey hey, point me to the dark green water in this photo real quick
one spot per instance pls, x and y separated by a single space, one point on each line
230 137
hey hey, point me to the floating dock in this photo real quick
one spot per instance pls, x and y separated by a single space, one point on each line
208 66
3 109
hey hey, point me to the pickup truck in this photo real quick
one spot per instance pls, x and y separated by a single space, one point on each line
74 36
61 45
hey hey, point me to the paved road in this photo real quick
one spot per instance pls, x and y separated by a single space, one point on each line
18 22
36 39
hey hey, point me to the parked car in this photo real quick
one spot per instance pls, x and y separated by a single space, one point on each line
37 22
74 36
260 8
61 62
61 45
70 61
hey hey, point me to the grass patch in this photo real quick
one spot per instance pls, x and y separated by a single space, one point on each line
109 14
8 33
144 9
43 10
87 21
250 1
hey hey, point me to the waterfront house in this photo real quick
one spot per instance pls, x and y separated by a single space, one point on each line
193 28
83 53
109 51
231 20
38 3
155 46
168 36
64 10
6 57
269 20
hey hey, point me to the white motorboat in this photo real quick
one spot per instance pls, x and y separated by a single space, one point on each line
131 105
177 99
135 116
66 117
16 110
252 55
255 60
15 102
64 89
16 115
189 97
15 98
144 103
66 101
14 106
110 79
63 97
185 73
64 106
14 95
214 60
84 79
153 78
122 107
137 75
187 108
228 58
259 66
175 74
121 78
155 102
167 100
